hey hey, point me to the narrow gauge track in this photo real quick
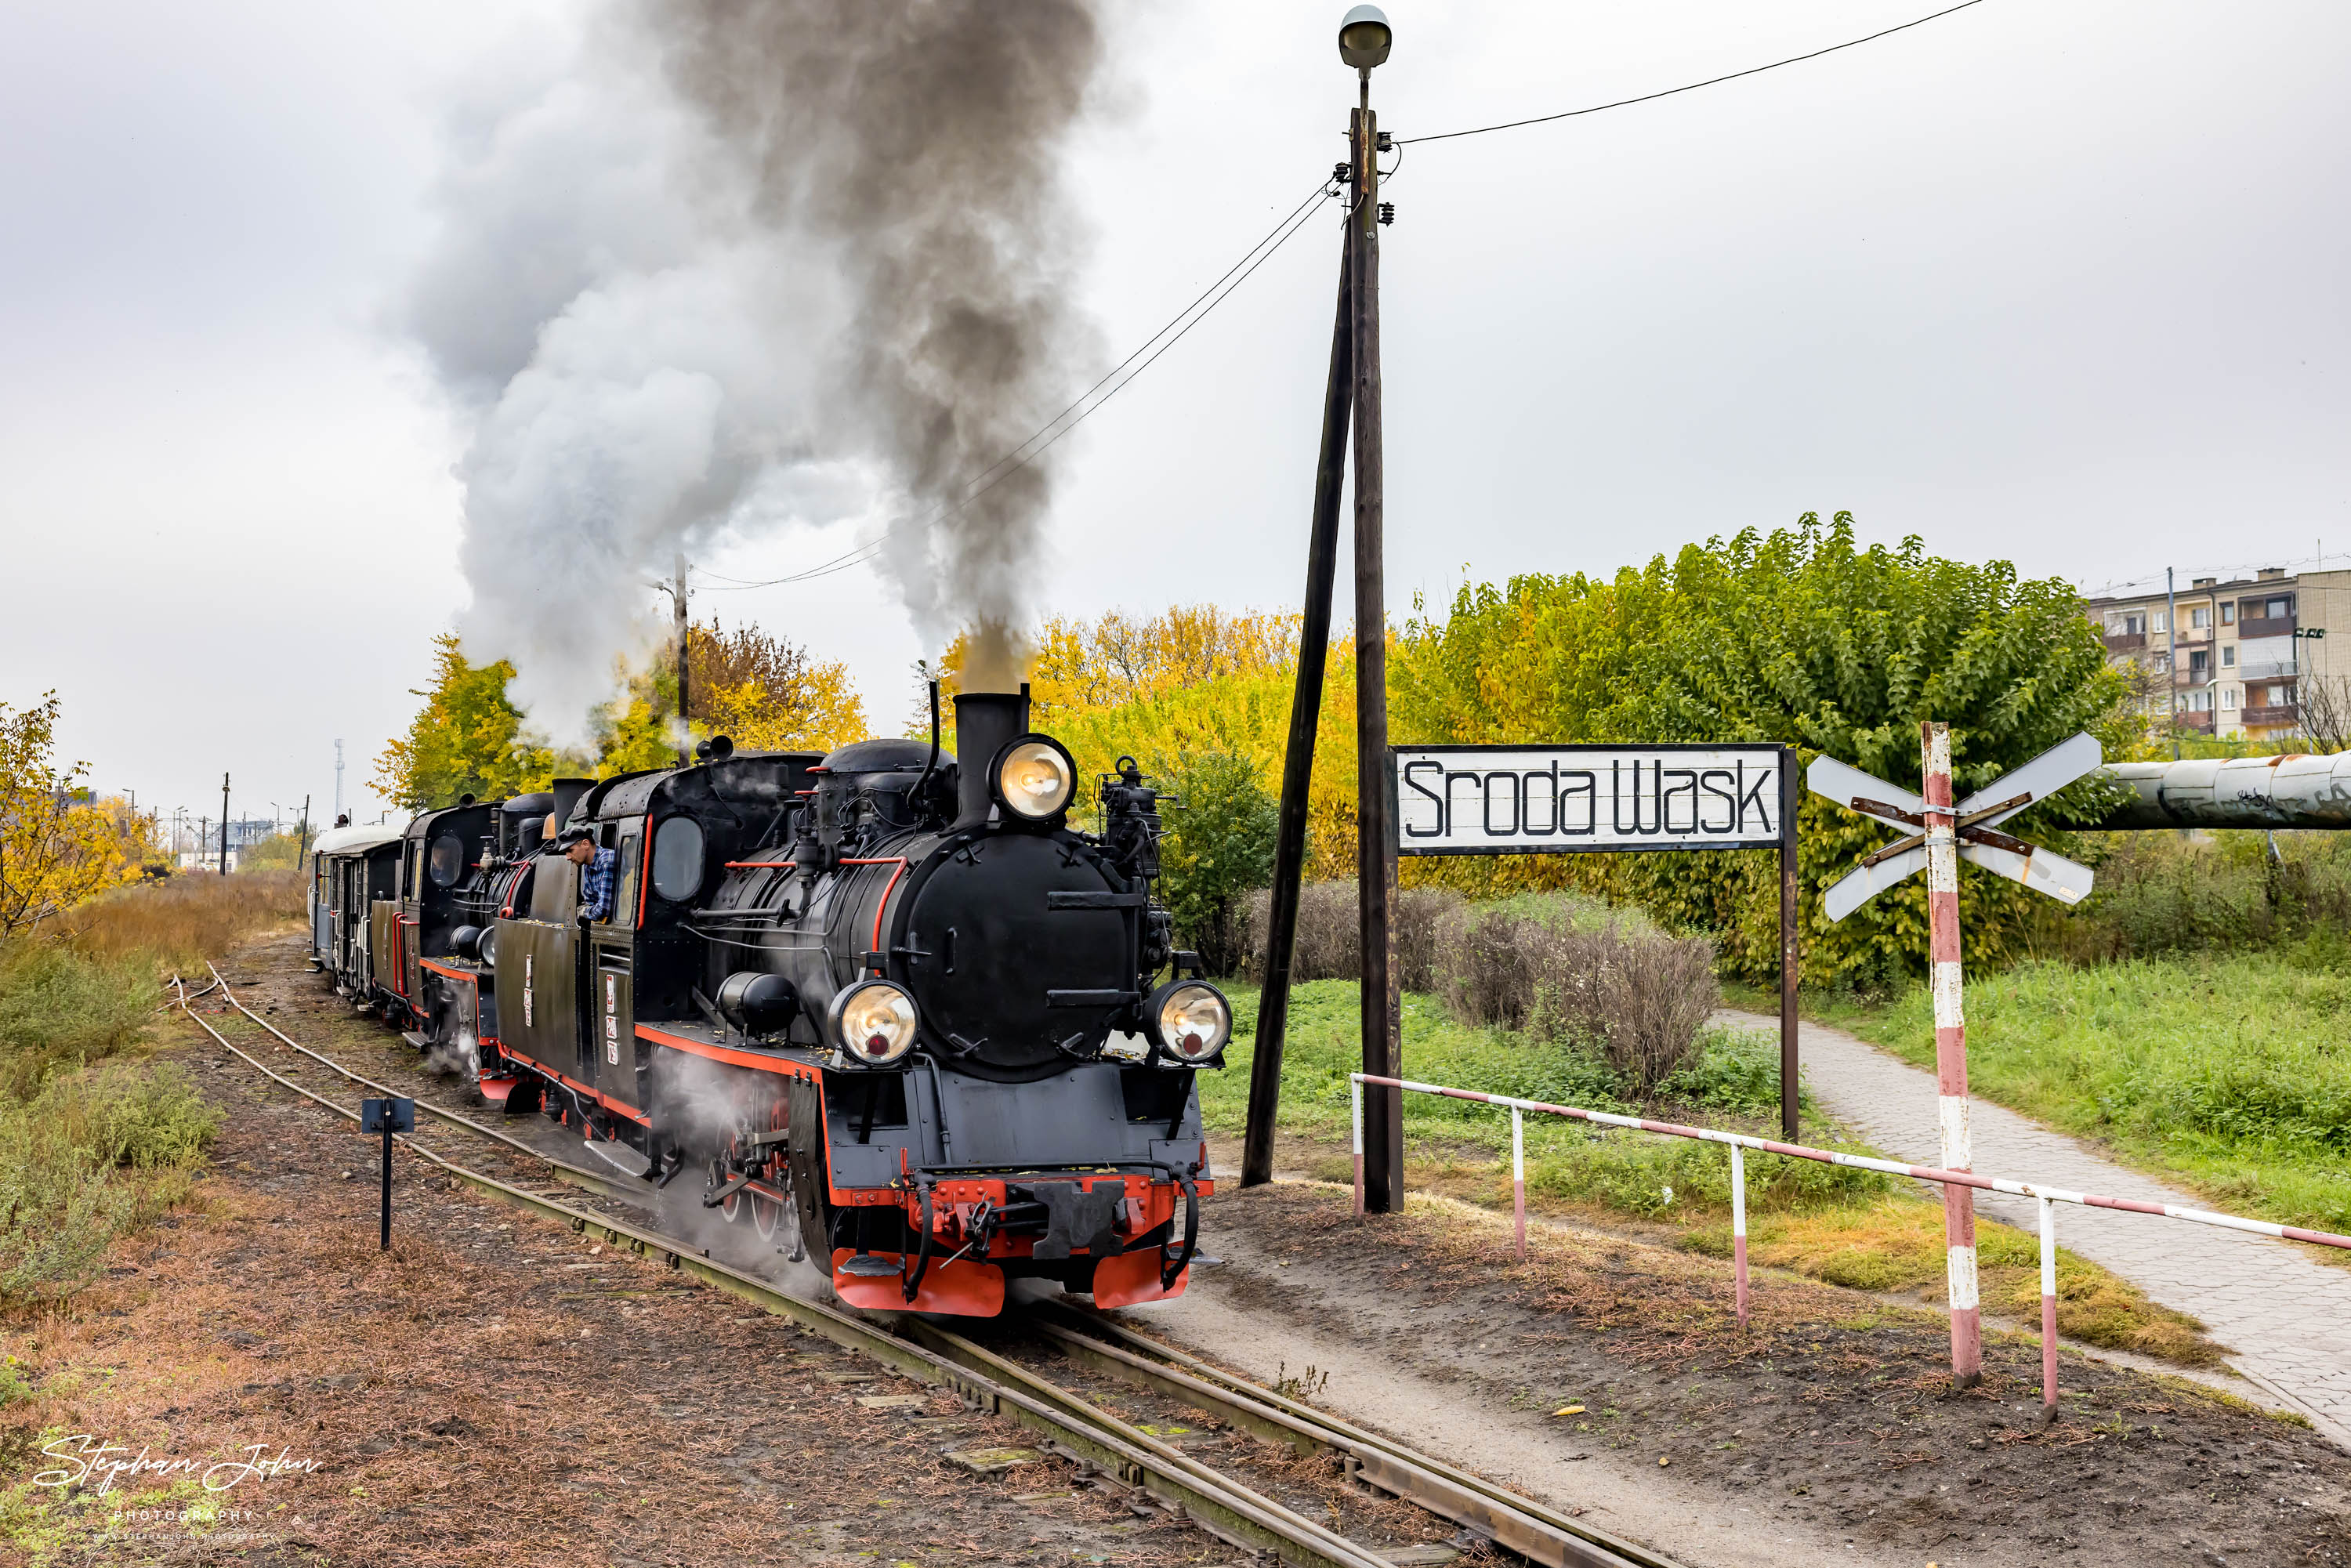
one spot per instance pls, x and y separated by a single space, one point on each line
990 1380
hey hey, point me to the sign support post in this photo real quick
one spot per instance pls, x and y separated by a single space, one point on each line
387 1117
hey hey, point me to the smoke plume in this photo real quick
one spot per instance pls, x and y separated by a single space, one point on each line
727 267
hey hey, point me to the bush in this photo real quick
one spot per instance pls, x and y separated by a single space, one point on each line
1640 997
1330 931
1218 850
2174 893
63 1194
60 1006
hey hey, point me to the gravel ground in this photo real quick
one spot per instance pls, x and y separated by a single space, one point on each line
1827 1426
495 1390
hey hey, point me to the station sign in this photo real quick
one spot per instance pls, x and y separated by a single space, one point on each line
1571 799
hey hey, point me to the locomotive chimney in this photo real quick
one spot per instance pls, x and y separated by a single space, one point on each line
984 722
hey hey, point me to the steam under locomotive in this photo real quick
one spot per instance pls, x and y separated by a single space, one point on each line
893 1011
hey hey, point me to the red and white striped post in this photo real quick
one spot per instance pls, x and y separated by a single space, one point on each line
1738 1227
1519 1177
1951 1049
2048 1309
1355 1115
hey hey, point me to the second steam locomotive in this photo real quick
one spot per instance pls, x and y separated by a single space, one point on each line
894 1010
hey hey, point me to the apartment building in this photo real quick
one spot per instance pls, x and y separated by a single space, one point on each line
2238 662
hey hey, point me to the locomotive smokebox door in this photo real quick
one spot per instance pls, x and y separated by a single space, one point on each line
981 919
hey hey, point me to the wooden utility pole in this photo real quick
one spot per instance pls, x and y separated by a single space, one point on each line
677 613
224 847
1942 825
1298 759
1376 861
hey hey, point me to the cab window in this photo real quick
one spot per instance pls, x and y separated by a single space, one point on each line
624 885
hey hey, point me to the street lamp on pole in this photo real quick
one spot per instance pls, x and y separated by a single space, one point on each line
1351 408
1364 38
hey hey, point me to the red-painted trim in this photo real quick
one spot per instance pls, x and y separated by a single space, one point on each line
645 869
475 980
722 1053
841 1197
882 908
898 861
609 1104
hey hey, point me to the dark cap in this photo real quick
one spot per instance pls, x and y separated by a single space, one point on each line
575 836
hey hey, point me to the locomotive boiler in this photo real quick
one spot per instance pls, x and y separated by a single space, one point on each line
896 1010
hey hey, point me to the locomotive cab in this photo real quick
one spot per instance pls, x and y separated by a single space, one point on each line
451 873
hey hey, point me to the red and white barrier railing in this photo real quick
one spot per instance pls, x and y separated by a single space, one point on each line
2048 1196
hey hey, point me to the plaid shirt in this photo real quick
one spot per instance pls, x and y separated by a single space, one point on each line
596 885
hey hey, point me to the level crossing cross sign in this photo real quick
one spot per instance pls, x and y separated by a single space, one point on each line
1941 832
1976 826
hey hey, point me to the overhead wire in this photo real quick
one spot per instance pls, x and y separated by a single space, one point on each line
1691 87
1085 405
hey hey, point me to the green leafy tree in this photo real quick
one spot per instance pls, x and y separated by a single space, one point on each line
1797 637
467 739
1219 851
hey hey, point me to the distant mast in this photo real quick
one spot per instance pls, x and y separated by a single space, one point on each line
339 781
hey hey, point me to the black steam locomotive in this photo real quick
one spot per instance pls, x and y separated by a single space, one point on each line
898 1012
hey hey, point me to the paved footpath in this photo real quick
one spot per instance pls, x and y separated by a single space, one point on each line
2286 1319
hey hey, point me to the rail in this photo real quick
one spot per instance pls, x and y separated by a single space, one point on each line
2047 1196
1220 1504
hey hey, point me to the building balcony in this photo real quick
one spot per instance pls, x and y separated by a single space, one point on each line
2201 723
2275 626
2196 634
2125 642
2185 678
2268 670
2272 715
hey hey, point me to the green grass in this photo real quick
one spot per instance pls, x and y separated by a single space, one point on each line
95 1139
1844 1226
2231 1074
1735 1084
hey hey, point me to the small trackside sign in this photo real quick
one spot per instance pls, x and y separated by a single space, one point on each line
1568 799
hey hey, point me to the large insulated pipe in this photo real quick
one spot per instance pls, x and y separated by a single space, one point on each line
2236 792
984 722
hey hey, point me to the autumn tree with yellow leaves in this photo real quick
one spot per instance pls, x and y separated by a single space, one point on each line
59 845
764 692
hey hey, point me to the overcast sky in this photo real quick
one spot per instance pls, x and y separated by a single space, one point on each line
2057 284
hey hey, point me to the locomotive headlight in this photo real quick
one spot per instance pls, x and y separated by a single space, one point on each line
1188 1020
1035 777
872 1021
